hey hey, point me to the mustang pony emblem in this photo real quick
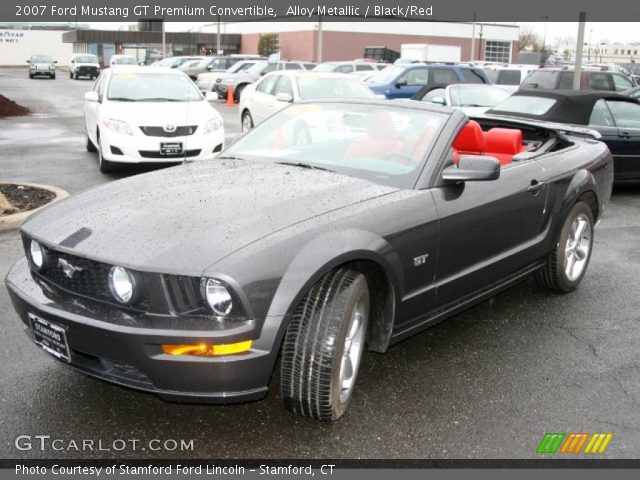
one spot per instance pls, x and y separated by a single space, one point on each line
67 268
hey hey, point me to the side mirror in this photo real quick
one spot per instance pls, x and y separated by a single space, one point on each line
473 168
209 68
28 61
284 97
437 100
401 83
91 96
210 96
72 61
55 61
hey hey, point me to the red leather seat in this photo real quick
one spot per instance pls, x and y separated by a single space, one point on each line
503 143
381 139
470 141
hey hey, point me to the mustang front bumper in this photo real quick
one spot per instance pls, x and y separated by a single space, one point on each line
120 348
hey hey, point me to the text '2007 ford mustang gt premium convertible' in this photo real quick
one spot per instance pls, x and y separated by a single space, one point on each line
191 281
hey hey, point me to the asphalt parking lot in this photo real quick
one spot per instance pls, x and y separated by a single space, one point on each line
486 384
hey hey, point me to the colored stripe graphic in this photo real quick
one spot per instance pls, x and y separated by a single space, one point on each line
550 442
574 443
598 443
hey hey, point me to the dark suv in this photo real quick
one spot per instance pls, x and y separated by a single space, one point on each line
562 79
405 81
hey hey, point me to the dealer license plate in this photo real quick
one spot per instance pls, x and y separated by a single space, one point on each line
171 148
50 337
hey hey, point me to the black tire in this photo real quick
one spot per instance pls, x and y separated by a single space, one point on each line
247 122
71 75
105 165
90 146
53 77
238 93
554 274
315 342
30 76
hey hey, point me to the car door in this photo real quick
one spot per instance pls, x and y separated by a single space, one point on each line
261 106
624 138
620 82
409 83
489 230
91 109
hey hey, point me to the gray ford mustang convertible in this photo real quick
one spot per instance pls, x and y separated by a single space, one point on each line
331 226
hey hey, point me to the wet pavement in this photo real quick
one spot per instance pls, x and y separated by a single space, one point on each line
486 384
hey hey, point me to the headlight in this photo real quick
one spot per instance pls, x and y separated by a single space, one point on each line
119 126
37 254
121 284
51 67
213 125
218 297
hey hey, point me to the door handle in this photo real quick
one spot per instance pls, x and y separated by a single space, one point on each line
535 186
624 135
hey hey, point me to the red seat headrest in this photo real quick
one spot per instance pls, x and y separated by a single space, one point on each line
470 138
504 140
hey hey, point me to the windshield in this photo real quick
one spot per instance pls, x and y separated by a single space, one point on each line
240 67
42 59
217 64
325 67
385 144
125 61
476 96
153 87
526 105
387 75
86 59
257 67
313 88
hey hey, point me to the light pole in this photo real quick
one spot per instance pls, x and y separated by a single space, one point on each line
544 39
589 46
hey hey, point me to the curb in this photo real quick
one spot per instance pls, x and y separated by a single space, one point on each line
11 222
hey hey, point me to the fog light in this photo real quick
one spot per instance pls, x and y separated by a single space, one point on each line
121 284
205 349
37 254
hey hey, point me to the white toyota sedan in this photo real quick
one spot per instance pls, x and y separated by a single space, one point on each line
150 114
276 90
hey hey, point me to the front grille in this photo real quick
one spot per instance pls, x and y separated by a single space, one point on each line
184 294
87 69
182 131
90 278
157 154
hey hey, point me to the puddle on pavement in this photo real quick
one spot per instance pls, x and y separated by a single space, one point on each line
44 135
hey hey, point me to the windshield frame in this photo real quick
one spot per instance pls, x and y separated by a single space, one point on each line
242 149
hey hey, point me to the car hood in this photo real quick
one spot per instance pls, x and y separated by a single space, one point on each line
41 64
186 218
87 64
160 113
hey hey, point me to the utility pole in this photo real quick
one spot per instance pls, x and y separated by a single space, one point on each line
218 37
319 45
473 38
164 40
544 39
589 46
579 46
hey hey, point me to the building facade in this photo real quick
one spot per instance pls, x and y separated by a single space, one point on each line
333 41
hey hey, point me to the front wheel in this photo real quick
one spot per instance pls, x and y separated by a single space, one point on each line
105 165
238 93
247 121
568 262
323 346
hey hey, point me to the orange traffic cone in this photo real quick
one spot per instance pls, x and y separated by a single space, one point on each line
230 101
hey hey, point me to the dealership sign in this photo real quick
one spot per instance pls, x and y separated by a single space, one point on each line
11 37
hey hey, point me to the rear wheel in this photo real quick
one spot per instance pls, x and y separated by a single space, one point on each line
323 346
247 121
568 262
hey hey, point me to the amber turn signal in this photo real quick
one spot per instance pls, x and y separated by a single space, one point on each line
205 349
